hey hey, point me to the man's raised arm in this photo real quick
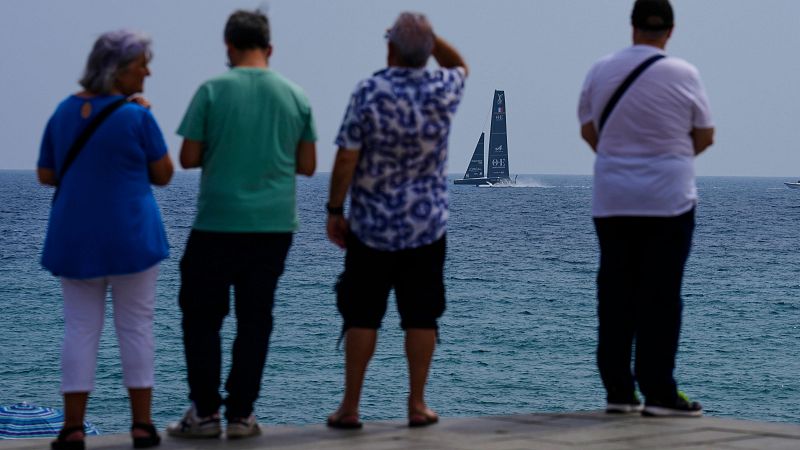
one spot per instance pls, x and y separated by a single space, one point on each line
447 56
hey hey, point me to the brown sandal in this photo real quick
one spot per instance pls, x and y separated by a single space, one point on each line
344 421
61 442
146 441
422 419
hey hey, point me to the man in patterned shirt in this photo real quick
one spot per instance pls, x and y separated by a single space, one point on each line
392 156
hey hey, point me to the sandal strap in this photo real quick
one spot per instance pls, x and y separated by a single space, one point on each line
151 440
69 430
149 427
61 442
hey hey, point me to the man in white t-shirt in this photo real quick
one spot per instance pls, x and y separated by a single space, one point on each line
643 206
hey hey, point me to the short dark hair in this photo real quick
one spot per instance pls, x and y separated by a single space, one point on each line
246 30
652 15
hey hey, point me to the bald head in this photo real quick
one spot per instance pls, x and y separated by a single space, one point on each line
412 38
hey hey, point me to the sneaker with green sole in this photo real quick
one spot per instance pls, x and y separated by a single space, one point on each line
624 405
682 406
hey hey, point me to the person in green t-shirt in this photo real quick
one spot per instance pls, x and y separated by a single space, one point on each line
250 130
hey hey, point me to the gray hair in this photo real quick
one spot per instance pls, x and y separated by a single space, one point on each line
412 37
113 51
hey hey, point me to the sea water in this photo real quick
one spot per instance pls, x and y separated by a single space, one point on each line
519 332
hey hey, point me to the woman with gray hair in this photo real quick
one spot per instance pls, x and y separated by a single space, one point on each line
102 152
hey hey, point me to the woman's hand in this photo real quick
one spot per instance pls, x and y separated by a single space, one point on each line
139 100
46 176
161 171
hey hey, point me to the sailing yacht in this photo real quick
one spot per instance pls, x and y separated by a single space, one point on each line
497 161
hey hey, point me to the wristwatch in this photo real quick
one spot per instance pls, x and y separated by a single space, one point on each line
334 210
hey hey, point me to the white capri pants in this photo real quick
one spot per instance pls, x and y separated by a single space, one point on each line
133 296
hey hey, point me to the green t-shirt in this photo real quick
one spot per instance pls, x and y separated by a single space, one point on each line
250 121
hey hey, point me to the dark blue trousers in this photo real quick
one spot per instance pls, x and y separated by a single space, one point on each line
251 263
639 303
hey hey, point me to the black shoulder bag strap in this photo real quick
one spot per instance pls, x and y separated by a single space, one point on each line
624 87
80 142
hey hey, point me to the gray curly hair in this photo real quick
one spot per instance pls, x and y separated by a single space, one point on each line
113 51
412 36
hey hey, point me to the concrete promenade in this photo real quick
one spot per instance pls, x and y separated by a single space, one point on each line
579 430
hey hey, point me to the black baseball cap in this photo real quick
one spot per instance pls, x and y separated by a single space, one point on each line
652 15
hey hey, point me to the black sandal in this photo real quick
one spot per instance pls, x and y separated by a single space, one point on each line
61 442
148 441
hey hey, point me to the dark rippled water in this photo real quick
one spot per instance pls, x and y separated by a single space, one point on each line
519 332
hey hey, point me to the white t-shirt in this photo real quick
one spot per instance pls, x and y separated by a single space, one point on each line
645 154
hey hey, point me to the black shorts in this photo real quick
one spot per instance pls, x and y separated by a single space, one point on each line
417 276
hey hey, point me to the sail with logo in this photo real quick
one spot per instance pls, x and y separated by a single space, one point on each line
497 162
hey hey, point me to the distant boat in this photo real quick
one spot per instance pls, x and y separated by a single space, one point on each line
793 185
497 162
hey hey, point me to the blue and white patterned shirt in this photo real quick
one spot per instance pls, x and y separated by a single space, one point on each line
400 121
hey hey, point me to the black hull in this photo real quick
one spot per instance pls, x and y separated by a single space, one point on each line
481 181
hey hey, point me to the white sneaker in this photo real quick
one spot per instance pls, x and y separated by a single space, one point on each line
242 427
624 408
192 426
624 404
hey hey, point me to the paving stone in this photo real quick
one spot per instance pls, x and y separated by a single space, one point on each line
702 438
779 429
591 430
767 443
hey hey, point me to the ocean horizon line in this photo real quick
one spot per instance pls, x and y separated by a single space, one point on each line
460 174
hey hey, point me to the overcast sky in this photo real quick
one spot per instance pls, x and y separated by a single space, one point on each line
538 51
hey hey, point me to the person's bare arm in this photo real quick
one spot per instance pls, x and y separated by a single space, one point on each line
447 56
46 176
702 138
191 154
161 170
306 158
343 168
589 134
